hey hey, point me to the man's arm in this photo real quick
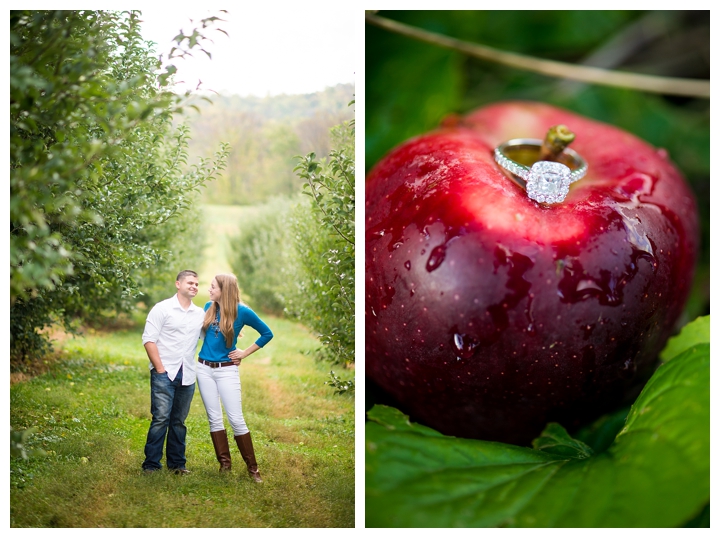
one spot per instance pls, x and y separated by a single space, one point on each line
154 356
153 326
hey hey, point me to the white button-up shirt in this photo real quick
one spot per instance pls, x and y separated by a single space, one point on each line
175 331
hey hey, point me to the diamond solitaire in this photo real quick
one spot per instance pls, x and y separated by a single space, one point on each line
547 182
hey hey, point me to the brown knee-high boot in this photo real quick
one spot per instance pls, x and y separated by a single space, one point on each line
222 449
244 443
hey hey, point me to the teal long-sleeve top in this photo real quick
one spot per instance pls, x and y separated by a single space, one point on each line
214 347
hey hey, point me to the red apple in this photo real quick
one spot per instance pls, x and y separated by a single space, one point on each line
488 314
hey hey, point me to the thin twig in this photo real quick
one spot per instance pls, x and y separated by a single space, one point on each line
624 44
593 75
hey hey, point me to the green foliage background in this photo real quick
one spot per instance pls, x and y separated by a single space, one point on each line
263 257
417 477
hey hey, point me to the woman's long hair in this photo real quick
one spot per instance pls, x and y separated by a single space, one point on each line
229 300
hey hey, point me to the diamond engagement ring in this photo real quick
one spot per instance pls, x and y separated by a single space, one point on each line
546 181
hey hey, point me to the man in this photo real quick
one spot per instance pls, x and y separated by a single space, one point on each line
170 338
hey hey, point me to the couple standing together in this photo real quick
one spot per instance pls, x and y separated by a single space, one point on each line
172 330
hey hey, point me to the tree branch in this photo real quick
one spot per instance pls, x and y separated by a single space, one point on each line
593 75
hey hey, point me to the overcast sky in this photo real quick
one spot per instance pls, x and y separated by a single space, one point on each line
271 49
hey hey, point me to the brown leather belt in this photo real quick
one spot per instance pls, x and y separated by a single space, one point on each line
215 364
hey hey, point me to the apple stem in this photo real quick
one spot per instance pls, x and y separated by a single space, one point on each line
556 140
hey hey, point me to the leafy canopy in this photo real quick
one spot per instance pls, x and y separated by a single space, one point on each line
101 195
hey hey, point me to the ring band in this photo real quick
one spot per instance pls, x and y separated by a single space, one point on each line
546 181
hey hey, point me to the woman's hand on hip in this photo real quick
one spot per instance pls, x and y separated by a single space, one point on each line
236 356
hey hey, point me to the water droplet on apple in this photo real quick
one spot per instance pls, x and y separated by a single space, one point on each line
642 246
408 265
529 315
588 284
436 258
635 236
464 345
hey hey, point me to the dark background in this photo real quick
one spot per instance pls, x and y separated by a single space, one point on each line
411 86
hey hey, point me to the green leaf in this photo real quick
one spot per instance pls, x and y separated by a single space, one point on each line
656 473
695 332
555 440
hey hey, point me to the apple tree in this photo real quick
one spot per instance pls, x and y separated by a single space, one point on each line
325 241
101 202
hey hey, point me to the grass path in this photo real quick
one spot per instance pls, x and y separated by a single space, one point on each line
222 223
91 410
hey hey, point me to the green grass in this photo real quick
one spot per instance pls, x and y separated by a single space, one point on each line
92 411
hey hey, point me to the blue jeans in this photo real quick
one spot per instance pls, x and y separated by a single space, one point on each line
169 405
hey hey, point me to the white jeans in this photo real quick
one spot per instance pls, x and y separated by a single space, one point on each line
222 384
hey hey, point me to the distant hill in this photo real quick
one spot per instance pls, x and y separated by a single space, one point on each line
283 107
265 134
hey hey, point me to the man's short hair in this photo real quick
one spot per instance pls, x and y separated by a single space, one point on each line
184 274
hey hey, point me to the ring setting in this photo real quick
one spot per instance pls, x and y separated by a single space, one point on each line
546 182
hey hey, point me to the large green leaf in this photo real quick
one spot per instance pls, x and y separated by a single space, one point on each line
654 474
695 332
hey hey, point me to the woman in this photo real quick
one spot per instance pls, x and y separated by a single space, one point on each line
218 374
